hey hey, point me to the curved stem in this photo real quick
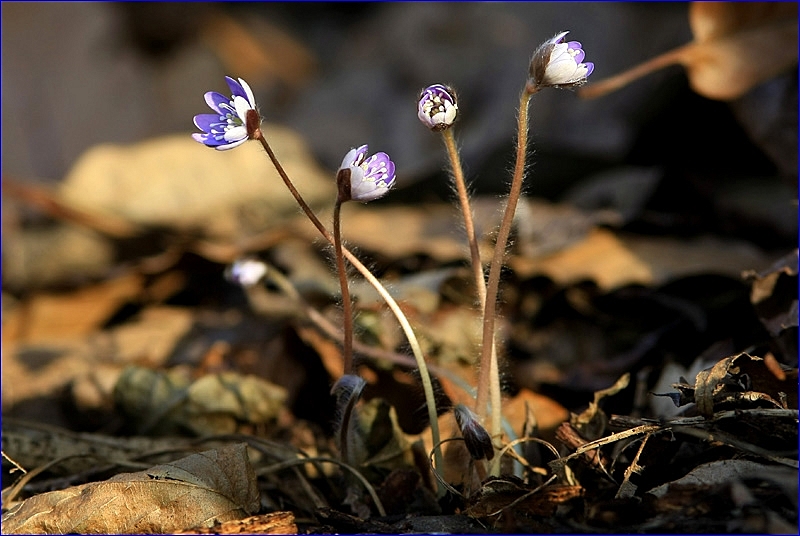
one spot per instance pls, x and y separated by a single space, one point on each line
347 306
493 284
427 386
480 281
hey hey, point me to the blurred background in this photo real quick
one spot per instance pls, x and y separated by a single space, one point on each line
75 75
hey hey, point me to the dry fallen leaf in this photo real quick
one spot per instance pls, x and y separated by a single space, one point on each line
737 46
176 182
213 404
199 490
272 523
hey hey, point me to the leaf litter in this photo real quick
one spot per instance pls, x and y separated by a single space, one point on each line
140 356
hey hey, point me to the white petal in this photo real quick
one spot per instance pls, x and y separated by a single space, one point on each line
250 97
236 134
242 107
230 145
348 159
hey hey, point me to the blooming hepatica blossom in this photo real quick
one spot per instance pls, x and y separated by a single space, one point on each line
437 107
559 64
363 178
229 126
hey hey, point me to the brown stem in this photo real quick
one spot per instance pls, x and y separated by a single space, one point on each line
347 306
477 272
466 211
492 286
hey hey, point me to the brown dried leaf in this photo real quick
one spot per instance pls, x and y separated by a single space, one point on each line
727 57
176 182
612 260
739 380
214 404
499 494
722 471
273 523
199 490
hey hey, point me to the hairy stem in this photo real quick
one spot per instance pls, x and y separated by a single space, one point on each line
477 272
347 306
427 386
493 284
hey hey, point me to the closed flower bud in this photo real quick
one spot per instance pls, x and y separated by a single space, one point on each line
477 439
437 107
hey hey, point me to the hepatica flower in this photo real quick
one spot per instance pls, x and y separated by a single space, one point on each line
234 121
559 64
437 107
363 178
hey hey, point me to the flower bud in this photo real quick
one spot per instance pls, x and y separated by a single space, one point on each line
477 439
437 107
558 64
362 178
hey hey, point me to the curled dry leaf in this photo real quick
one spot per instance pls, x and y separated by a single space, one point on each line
736 47
741 381
199 490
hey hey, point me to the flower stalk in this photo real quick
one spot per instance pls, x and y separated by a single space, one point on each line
405 325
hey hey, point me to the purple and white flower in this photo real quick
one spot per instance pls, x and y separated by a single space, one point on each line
234 121
363 178
559 64
437 107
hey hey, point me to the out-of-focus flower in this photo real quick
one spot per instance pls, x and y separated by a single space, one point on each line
477 439
236 119
437 107
246 272
559 64
363 178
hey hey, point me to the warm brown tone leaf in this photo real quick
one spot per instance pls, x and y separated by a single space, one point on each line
274 523
212 486
177 182
737 46
168 402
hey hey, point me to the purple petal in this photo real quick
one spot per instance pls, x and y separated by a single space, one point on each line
236 88
589 68
230 145
214 100
205 121
579 56
574 45
208 139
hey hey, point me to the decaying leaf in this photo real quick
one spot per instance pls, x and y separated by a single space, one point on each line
722 471
199 490
170 402
613 260
739 381
727 57
773 294
273 523
499 494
